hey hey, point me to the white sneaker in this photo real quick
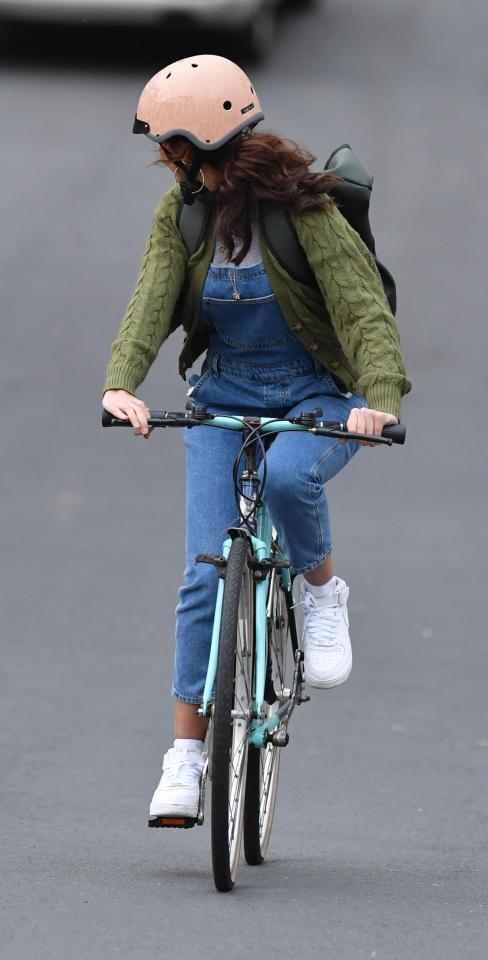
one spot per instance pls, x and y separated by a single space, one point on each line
326 643
178 790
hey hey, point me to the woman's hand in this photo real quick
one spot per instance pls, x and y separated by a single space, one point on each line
125 406
364 420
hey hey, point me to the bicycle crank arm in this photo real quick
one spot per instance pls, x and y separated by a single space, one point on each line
279 737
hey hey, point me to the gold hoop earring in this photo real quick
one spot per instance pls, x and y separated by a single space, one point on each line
193 192
202 183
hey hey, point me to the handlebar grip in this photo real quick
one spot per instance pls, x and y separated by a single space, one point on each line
108 420
395 432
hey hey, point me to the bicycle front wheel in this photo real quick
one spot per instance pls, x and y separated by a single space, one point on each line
232 714
264 764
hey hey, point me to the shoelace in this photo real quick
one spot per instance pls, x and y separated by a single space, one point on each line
178 769
320 621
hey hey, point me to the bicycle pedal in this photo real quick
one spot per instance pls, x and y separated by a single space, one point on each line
183 823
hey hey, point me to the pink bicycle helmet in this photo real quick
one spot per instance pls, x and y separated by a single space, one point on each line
207 99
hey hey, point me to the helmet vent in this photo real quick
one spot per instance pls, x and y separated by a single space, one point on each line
252 90
227 105
194 64
168 75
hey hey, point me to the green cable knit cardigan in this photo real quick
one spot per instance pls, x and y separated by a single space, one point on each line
345 322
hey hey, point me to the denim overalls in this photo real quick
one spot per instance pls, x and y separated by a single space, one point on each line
254 365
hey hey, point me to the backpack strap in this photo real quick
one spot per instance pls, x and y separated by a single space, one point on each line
282 240
192 221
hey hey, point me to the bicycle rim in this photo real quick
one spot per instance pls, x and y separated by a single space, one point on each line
264 764
232 716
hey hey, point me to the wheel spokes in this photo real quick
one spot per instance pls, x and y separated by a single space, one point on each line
242 704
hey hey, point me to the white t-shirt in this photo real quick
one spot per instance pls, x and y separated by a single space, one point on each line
253 255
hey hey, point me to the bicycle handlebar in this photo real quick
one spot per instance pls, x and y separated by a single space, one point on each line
394 433
306 422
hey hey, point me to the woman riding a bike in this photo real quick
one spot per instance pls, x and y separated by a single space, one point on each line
272 347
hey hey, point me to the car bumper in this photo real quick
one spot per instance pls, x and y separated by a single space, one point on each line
204 13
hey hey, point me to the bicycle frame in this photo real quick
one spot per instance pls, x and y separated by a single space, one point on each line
259 530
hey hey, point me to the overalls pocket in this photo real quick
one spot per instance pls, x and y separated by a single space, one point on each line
336 386
196 381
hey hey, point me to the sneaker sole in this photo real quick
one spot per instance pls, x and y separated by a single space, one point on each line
327 684
176 811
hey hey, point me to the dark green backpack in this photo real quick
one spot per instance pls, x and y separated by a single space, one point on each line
352 194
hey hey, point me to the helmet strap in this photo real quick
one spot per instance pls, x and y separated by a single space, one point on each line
186 189
187 186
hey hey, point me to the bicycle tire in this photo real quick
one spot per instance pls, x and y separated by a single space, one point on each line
233 692
263 764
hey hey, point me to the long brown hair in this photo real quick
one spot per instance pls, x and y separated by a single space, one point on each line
260 167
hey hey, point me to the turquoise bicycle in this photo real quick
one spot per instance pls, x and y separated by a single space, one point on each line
255 677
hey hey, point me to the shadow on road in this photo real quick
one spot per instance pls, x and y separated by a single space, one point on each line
418 879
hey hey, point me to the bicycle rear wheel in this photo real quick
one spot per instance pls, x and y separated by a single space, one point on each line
231 717
264 764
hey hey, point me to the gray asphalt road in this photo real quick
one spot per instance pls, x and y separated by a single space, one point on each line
379 845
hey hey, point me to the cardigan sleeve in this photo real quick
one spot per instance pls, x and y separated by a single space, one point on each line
351 286
149 318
